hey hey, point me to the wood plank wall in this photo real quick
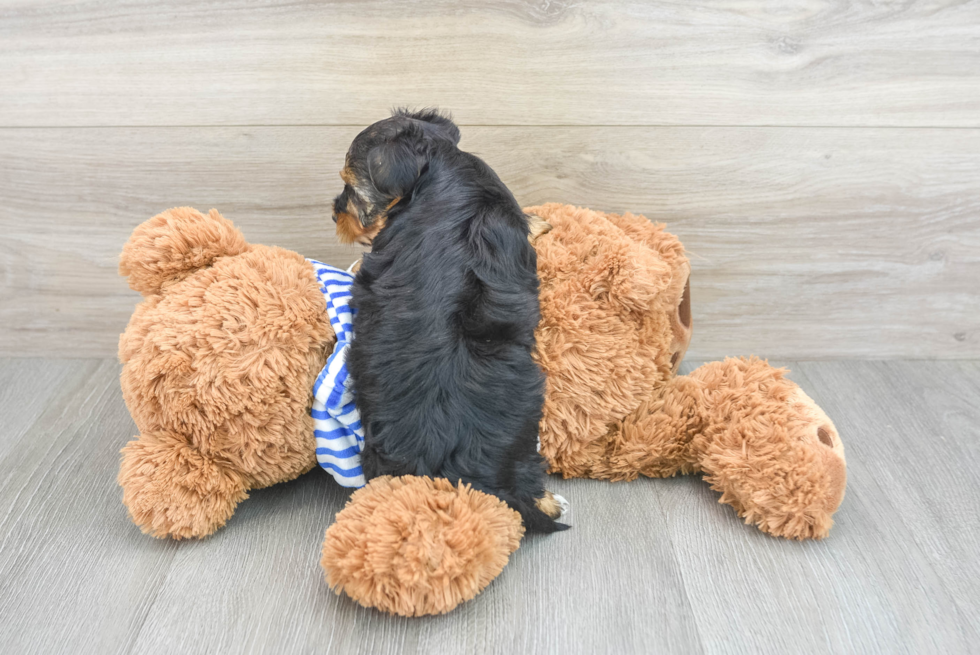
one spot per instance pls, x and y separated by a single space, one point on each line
819 159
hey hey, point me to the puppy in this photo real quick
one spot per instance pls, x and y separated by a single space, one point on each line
447 304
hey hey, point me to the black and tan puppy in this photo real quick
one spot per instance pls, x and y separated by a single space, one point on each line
447 304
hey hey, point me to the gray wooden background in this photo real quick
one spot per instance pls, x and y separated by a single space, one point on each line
820 160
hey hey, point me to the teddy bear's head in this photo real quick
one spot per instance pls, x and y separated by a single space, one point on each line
615 324
219 361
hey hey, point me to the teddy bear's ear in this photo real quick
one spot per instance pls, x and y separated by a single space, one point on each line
637 278
628 275
612 265
172 245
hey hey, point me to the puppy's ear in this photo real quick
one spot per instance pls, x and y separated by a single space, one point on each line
435 124
394 167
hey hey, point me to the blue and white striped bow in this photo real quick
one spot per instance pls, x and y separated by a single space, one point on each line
337 425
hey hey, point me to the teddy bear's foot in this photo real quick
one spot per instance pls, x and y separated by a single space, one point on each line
415 545
769 449
172 490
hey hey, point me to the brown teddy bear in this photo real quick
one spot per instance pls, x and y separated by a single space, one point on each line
222 354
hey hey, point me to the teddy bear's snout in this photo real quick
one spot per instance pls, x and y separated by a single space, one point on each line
681 327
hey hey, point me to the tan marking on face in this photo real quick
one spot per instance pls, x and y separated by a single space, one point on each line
349 229
347 176
368 236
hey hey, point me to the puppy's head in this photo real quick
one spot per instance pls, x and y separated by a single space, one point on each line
383 165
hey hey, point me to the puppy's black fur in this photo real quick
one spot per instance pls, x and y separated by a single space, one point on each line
447 304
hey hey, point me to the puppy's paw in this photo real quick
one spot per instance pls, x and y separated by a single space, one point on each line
553 505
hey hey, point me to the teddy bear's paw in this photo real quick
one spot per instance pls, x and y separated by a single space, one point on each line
172 490
415 546
813 425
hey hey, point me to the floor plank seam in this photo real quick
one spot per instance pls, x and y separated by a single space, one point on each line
680 571
65 444
149 607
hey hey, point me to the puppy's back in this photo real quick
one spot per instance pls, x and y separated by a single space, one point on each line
447 305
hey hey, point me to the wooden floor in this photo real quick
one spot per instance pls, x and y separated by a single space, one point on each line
650 566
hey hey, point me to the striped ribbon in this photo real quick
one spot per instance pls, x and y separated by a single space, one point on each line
337 425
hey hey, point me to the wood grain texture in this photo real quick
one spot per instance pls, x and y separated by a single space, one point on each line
649 566
898 572
74 574
28 385
919 445
805 242
264 590
734 62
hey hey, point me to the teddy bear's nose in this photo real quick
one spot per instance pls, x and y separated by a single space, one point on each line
680 324
684 309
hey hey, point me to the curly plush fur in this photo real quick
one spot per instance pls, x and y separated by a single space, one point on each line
613 290
220 358
380 550
615 322
607 297
221 355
